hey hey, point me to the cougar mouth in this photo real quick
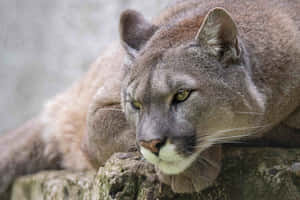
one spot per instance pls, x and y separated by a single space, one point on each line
168 160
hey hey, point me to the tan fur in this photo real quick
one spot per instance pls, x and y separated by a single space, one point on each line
241 60
80 128
23 152
61 128
66 115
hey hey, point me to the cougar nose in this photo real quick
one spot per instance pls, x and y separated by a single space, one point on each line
153 145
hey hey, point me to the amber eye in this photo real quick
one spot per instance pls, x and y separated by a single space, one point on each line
136 105
181 96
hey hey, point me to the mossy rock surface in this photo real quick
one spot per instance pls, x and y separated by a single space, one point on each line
247 174
54 185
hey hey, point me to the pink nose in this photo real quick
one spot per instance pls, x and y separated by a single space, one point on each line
152 145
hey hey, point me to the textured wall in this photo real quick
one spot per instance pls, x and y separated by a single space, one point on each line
46 45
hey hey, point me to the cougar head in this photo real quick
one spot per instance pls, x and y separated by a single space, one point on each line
188 86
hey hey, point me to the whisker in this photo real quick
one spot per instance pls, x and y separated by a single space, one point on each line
185 152
224 140
231 142
207 161
235 129
240 129
228 142
234 136
250 113
219 133
200 146
214 138
206 140
110 109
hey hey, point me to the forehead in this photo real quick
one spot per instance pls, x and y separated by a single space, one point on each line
172 67
166 80
160 82
190 58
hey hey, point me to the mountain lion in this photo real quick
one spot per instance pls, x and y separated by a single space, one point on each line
201 74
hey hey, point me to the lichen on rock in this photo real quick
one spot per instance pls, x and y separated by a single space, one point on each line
248 174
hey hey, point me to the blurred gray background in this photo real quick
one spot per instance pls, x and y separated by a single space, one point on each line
46 45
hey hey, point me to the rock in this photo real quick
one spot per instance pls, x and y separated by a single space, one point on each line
247 174
54 185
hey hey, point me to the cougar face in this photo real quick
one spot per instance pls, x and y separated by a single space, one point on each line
183 98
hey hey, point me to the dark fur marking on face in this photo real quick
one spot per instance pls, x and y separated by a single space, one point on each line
185 145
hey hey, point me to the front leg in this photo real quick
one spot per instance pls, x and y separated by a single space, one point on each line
25 151
293 120
107 133
200 175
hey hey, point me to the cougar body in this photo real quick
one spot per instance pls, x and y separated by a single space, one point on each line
200 74
212 72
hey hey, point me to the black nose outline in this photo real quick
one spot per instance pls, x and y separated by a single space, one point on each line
153 145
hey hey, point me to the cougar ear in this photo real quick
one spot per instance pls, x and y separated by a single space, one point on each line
219 33
135 31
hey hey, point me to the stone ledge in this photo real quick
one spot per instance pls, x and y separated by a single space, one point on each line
247 174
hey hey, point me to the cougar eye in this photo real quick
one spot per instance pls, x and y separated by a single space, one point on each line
181 96
136 105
